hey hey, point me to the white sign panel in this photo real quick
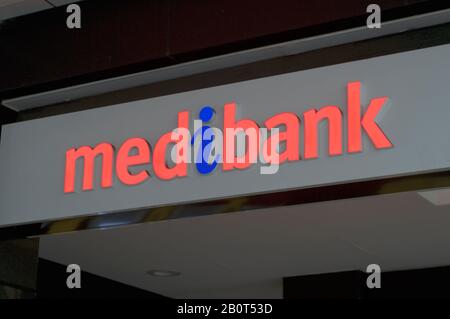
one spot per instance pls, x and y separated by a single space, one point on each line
380 117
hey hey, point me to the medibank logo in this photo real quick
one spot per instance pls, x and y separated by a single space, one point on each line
239 145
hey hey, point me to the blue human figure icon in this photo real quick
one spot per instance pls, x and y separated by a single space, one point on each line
207 137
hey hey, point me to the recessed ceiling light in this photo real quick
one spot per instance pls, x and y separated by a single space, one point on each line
163 273
438 197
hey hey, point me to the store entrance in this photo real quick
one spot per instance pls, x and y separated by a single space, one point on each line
320 249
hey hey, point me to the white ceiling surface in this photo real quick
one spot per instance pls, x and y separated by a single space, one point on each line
14 8
246 254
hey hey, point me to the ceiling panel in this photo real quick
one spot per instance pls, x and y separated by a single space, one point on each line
15 8
246 254
58 3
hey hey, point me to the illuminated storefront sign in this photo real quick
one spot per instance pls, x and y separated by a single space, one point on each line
363 120
357 122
